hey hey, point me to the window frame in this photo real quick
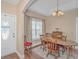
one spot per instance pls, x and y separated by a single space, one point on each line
36 30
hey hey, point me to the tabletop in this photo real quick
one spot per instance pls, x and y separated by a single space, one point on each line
59 41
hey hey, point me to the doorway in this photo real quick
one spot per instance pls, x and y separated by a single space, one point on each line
8 34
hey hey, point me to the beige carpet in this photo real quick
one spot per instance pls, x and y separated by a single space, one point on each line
43 54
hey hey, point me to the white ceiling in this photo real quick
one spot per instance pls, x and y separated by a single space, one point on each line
46 7
13 2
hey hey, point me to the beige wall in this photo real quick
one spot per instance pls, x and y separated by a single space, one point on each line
66 23
20 22
35 14
5 7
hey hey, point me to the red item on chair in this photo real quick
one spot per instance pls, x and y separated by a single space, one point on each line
27 43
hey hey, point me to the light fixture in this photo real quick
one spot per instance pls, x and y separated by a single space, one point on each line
58 12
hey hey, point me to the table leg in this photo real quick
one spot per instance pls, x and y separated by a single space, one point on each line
68 52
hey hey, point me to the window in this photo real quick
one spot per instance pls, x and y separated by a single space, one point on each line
5 30
36 28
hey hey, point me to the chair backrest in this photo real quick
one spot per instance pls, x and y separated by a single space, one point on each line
57 34
47 34
41 36
52 46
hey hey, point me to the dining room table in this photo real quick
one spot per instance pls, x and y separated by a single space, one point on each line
67 43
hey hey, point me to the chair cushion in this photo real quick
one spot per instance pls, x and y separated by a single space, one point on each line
27 43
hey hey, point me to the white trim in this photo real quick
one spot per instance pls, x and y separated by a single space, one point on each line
19 55
30 2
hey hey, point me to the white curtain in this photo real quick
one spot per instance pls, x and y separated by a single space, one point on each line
27 29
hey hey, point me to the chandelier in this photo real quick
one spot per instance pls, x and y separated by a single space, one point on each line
58 12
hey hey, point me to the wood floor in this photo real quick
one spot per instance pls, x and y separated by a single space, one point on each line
33 55
11 56
15 56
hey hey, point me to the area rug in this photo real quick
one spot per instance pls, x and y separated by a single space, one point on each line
39 51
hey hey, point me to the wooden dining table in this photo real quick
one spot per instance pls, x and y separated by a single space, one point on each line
67 43
60 41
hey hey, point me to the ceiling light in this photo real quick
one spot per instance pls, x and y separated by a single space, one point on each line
58 12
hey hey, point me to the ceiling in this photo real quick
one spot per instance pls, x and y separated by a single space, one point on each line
46 7
13 2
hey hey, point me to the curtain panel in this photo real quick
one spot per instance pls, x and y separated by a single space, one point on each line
27 29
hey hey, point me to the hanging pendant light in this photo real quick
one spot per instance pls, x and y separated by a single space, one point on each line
58 12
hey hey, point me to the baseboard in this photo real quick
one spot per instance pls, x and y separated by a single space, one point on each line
36 46
19 55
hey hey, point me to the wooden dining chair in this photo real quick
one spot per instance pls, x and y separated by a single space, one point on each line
47 34
73 50
57 34
27 46
53 49
43 43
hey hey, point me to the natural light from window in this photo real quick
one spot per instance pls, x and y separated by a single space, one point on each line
36 28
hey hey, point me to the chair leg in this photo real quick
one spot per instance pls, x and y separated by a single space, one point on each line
56 57
41 46
58 54
49 52
28 51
